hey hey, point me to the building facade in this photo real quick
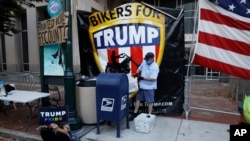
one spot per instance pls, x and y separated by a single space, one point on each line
20 52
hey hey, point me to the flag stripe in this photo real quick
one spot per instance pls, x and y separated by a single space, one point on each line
222 55
220 66
224 31
223 19
224 43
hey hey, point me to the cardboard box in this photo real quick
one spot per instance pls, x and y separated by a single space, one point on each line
144 122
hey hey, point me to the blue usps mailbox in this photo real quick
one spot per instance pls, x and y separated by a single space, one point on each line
112 98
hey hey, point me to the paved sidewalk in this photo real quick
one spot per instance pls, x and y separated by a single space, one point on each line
170 129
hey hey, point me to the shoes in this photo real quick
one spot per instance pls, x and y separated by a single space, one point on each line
132 116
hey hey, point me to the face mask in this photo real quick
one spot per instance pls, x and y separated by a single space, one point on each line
149 62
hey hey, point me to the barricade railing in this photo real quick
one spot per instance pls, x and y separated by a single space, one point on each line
22 81
221 95
27 80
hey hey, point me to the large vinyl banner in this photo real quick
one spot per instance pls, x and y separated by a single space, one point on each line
121 37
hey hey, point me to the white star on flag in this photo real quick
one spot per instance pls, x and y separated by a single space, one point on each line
231 7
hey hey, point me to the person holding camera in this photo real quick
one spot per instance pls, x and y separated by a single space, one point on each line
147 74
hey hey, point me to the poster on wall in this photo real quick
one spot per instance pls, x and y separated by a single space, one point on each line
123 36
53 60
120 38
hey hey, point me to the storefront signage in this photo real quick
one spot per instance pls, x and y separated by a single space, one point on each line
54 8
53 30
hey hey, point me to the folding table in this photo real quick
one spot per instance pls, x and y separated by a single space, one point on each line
25 97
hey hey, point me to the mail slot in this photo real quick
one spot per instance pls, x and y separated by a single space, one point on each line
112 98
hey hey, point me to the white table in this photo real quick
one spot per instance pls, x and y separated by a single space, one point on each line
25 97
21 96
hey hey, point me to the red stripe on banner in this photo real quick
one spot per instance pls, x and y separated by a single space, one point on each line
224 43
222 19
137 56
109 52
220 66
157 48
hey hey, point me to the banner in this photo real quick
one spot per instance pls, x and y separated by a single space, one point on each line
121 37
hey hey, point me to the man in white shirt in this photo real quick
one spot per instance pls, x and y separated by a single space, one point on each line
147 73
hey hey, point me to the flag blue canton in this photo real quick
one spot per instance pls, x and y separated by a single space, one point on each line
240 7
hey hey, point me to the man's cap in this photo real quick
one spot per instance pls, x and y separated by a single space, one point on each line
149 55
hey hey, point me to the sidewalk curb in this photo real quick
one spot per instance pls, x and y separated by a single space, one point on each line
18 135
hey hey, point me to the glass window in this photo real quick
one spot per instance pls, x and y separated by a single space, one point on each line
189 4
152 2
190 14
199 70
25 48
24 21
212 75
45 14
2 53
189 25
170 4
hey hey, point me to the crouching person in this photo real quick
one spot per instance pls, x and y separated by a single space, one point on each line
53 124
55 132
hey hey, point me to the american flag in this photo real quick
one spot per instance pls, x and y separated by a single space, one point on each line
223 41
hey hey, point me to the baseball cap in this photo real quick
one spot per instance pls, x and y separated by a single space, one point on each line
149 55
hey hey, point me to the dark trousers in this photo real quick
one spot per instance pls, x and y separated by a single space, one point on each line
49 135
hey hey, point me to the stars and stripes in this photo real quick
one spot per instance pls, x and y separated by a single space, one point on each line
223 42
240 7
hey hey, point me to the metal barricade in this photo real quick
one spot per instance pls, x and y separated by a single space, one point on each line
22 81
221 95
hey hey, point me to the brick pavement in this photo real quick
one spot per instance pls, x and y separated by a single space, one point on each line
213 101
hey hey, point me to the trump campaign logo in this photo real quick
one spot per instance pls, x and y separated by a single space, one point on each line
121 37
48 115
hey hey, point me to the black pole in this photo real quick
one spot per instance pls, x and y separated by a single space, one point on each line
44 87
69 77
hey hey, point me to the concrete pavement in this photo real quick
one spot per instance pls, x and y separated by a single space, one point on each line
165 129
